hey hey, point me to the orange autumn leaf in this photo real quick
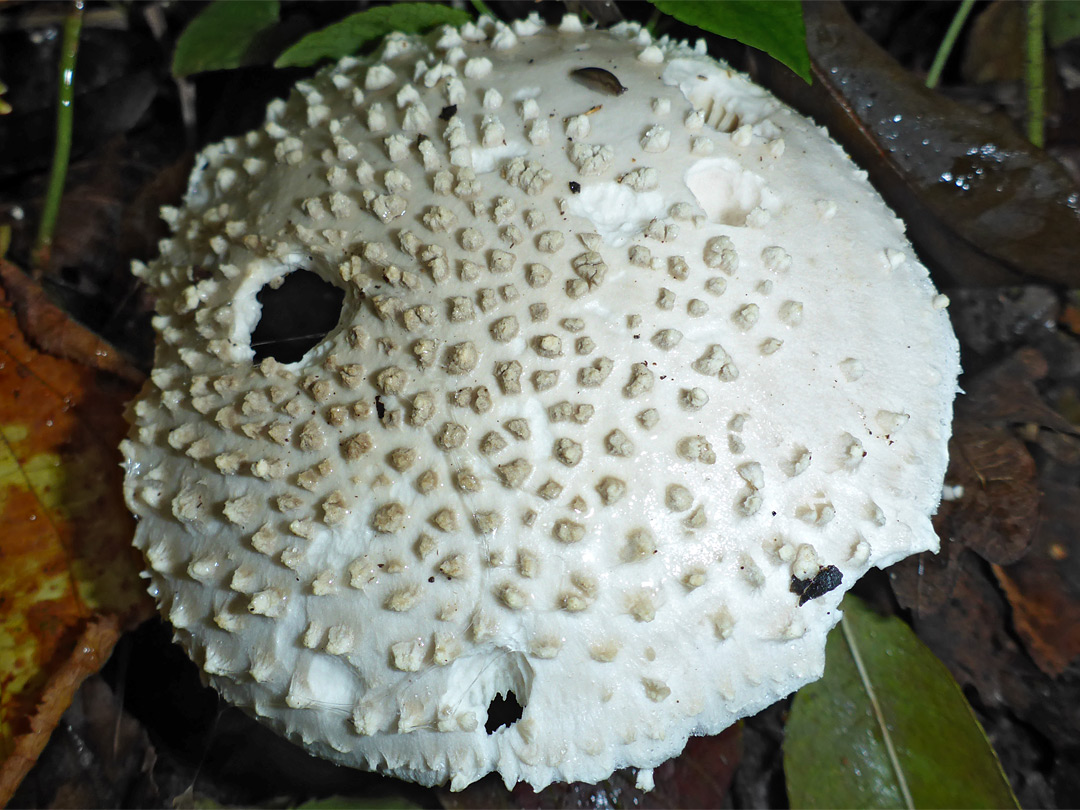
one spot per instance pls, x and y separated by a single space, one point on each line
68 579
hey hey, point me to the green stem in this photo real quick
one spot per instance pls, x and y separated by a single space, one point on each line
654 21
483 9
946 46
1034 72
69 48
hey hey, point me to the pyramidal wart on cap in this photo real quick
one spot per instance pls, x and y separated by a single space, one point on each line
634 376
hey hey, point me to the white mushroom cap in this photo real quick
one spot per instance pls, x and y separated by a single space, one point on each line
644 358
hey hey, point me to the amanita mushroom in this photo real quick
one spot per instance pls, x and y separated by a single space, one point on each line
635 374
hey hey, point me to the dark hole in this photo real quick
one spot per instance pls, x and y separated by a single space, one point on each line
502 711
295 316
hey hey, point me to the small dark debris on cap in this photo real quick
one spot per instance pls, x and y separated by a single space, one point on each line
822 582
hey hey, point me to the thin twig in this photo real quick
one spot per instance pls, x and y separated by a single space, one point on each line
1034 66
894 760
946 46
69 49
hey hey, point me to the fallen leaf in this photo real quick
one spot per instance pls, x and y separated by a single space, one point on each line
923 583
69 580
981 203
887 727
99 756
989 659
972 635
27 719
1006 394
699 777
1044 588
996 511
55 333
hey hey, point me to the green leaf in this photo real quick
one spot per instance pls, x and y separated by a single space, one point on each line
887 727
347 36
219 38
773 26
1062 21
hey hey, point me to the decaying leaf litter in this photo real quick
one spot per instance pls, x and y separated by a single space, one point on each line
1012 331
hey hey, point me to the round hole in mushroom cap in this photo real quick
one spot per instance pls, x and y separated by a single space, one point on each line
296 314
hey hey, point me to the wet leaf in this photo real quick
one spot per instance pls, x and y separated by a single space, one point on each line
773 26
1044 588
887 727
988 658
222 35
51 331
350 34
68 582
996 510
99 756
699 777
1006 394
981 203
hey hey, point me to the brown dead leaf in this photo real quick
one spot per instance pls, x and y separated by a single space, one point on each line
99 756
997 513
995 516
54 333
69 580
988 658
699 777
981 203
924 582
1006 394
1044 588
